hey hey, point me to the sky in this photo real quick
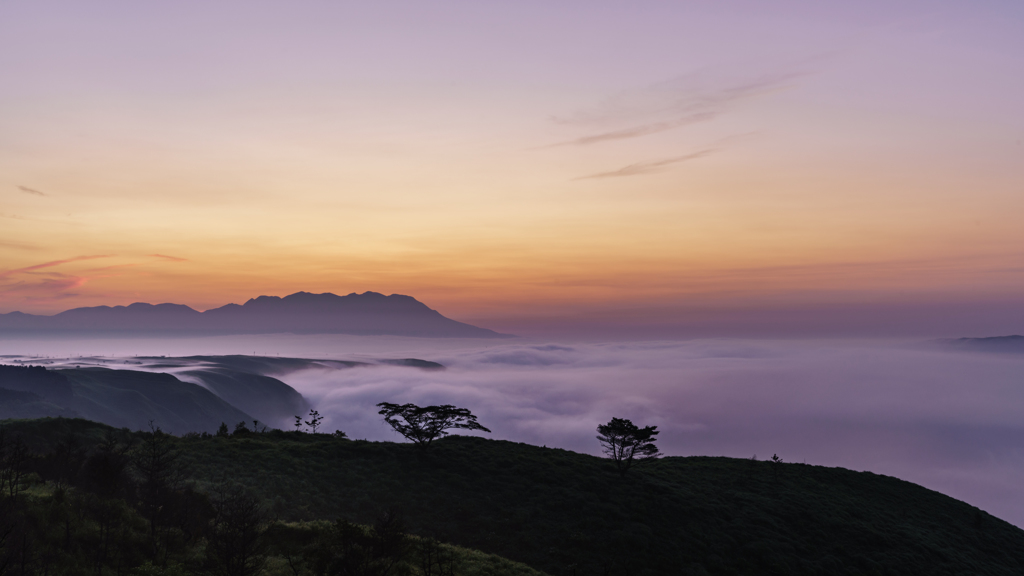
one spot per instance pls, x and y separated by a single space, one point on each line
642 168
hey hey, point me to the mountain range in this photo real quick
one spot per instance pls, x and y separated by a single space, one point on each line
369 313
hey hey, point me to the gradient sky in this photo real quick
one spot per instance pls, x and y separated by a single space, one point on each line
622 164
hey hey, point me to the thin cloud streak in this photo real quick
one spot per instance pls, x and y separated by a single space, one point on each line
18 245
32 191
637 131
648 167
676 100
171 258
50 264
114 267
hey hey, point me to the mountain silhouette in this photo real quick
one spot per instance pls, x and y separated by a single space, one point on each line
1002 344
369 313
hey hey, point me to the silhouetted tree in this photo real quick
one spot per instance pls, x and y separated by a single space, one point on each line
236 542
64 462
14 457
434 559
625 443
350 550
775 461
223 429
314 420
424 425
160 470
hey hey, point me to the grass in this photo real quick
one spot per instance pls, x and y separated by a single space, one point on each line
566 513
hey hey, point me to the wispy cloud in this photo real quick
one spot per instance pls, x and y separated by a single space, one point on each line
648 167
171 258
48 288
637 131
50 264
32 191
17 245
114 267
669 105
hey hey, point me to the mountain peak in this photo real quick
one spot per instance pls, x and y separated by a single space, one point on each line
369 313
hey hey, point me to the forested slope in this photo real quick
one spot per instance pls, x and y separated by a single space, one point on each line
565 513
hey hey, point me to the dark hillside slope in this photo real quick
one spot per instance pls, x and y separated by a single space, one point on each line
131 399
266 399
567 513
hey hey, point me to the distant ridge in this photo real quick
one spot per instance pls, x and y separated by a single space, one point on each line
369 313
1004 344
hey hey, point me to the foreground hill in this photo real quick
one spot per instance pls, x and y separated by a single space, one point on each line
368 313
81 499
568 513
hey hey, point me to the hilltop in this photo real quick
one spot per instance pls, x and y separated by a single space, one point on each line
567 513
369 313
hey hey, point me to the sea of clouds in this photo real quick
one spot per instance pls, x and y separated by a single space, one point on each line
949 420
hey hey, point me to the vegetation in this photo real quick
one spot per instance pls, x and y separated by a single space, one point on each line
626 443
81 498
557 511
426 424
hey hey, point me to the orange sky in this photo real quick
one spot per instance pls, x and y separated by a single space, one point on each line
500 159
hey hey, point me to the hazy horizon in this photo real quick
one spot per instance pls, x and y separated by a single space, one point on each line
943 418
863 320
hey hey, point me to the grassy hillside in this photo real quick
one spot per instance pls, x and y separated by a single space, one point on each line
567 513
86 499
557 510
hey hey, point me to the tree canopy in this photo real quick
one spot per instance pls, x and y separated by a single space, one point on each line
626 443
425 424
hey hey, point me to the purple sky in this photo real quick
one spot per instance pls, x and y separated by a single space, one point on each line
508 162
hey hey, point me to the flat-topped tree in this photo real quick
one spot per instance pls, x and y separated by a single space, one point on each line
424 424
626 443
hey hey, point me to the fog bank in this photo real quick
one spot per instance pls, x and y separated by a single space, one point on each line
953 422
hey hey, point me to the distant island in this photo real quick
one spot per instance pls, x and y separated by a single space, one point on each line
369 313
1000 344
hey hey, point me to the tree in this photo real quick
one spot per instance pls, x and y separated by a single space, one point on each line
314 420
625 443
236 541
424 425
350 550
160 469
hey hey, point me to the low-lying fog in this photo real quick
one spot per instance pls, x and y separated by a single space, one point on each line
951 421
